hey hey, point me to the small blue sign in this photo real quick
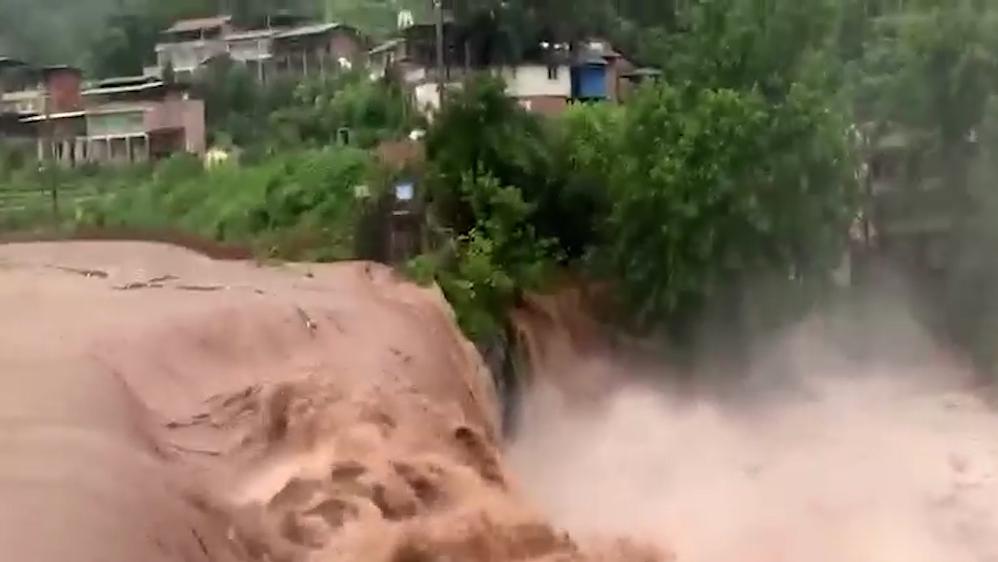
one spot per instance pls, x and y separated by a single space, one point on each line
404 191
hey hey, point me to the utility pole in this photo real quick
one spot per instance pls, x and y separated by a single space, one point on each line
49 159
439 5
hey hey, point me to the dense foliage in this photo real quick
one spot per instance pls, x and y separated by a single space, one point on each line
726 189
300 205
343 108
488 162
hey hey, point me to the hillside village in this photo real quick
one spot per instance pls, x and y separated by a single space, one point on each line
73 120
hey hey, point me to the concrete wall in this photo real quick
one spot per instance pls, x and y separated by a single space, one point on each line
526 81
186 57
27 101
427 97
180 114
118 123
163 115
192 112
250 49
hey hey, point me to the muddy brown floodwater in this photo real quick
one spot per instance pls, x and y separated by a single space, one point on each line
814 455
157 405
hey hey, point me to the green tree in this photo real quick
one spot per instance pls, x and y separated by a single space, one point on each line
715 189
585 145
482 131
376 17
370 111
498 257
125 41
768 46
944 75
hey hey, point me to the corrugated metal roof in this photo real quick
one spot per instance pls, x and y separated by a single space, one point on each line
387 46
123 89
251 34
198 24
60 68
646 72
305 30
123 81
66 115
594 52
10 61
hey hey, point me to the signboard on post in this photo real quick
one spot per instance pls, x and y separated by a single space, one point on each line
404 192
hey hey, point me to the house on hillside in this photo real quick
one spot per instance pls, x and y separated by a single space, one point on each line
19 87
913 211
186 44
254 49
542 81
33 94
121 120
19 97
27 90
599 72
136 119
546 79
315 50
280 44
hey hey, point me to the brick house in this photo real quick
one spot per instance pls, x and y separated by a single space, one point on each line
280 45
122 120
186 44
318 49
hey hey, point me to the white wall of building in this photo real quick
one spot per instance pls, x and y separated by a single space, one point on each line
186 57
250 49
427 97
537 80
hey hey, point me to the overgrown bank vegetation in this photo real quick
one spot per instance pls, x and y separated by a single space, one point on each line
727 189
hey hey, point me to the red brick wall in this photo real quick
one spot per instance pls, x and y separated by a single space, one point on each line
63 88
545 105
347 45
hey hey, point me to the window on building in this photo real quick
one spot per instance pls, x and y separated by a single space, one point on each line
552 72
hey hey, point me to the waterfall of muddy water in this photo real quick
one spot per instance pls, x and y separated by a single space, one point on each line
888 459
156 405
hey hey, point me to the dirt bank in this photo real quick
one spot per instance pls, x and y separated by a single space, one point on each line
158 405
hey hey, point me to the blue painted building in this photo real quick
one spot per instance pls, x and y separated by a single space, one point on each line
589 80
598 71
